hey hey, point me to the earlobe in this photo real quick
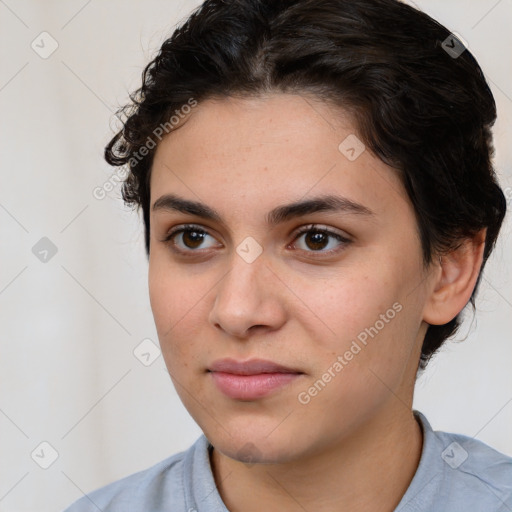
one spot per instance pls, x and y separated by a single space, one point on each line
455 278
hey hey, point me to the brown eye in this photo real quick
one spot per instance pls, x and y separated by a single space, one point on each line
187 238
315 240
192 239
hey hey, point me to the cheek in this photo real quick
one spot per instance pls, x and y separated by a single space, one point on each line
170 301
352 303
363 364
177 302
172 292
372 318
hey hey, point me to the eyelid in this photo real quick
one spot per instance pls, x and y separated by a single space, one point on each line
183 228
344 239
320 227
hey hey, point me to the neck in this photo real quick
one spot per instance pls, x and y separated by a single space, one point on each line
368 471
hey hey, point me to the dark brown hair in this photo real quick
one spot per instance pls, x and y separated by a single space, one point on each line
419 107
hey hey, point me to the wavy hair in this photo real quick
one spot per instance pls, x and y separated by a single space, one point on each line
422 110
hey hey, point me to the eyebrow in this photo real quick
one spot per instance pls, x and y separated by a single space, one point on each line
280 214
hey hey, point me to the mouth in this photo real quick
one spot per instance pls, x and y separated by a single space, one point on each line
251 367
251 380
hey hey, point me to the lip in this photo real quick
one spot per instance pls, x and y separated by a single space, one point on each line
251 380
250 367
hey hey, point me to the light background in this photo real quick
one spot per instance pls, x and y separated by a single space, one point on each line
69 326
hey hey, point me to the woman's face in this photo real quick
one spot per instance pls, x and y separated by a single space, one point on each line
345 314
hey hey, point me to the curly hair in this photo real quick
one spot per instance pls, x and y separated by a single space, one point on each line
423 110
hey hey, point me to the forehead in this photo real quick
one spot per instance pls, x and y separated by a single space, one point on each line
265 149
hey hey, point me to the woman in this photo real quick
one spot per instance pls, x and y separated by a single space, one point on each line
319 202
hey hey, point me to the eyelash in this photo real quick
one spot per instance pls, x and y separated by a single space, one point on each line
312 228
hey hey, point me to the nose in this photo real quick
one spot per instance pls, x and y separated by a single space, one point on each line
248 299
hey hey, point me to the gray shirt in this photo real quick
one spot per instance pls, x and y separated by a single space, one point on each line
455 473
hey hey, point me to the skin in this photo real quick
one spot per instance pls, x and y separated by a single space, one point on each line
355 445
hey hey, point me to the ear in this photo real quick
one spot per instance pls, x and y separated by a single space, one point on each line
454 280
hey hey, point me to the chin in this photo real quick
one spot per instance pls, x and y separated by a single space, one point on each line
254 445
250 452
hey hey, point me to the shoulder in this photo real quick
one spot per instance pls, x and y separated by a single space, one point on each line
477 464
158 486
458 472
